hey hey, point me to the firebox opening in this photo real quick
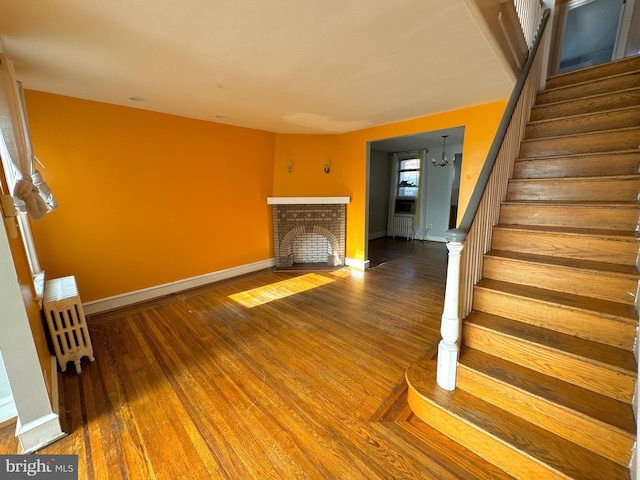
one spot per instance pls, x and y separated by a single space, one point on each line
310 248
309 236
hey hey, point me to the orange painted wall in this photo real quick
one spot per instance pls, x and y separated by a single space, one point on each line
147 198
308 154
348 154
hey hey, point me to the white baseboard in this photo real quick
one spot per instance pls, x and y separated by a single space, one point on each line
137 296
361 265
374 236
436 238
55 393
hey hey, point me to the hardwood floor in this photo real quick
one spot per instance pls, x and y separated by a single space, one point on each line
271 376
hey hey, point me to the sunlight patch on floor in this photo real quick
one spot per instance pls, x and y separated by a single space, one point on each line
343 273
275 291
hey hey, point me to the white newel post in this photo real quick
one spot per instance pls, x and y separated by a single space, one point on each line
449 348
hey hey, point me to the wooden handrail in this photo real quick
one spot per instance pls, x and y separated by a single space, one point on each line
476 229
459 233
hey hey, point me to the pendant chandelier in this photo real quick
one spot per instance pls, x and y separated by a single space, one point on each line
444 160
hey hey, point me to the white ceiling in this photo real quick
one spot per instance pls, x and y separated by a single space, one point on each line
285 66
431 141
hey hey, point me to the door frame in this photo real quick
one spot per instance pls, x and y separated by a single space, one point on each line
559 23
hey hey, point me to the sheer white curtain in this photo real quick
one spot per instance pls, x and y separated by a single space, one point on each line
420 217
393 192
30 192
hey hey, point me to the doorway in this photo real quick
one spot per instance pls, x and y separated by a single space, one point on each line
412 194
590 32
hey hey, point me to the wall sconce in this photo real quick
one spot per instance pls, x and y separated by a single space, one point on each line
289 166
327 166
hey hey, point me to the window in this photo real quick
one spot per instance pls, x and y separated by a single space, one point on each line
11 175
408 178
16 159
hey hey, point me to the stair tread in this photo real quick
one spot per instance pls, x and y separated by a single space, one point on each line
572 397
569 203
577 156
587 97
593 178
616 311
595 72
620 235
601 267
600 102
579 116
617 359
578 85
536 442
581 165
581 134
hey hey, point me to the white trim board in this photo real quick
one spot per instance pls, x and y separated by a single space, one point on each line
361 265
436 238
137 296
55 391
375 236
307 200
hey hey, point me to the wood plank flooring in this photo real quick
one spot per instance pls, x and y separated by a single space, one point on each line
273 375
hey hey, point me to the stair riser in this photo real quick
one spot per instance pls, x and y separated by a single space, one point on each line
585 324
594 73
522 449
557 364
593 122
598 103
582 143
624 218
559 245
504 456
605 190
579 166
605 85
605 286
604 440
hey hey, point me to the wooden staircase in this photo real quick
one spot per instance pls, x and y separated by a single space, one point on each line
547 373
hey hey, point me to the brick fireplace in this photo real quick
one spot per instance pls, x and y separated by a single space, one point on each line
309 230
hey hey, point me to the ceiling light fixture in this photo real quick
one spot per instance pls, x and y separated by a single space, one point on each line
444 160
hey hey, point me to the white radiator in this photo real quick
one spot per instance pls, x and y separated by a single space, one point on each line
66 322
403 226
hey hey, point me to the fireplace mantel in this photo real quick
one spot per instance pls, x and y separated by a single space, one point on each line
308 200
